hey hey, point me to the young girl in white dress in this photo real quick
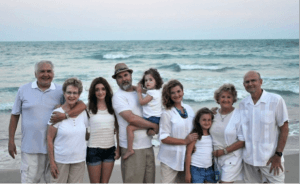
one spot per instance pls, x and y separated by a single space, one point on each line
150 100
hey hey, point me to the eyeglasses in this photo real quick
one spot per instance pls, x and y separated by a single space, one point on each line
248 81
70 93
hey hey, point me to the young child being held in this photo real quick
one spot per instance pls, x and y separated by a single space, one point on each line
199 165
150 101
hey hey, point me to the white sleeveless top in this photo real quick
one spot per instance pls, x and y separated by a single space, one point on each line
101 129
203 155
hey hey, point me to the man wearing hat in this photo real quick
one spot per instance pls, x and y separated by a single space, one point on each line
140 167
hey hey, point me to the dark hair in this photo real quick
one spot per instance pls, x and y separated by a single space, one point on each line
155 75
93 99
72 82
166 93
197 127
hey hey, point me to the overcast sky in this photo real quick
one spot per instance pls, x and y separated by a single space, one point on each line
54 20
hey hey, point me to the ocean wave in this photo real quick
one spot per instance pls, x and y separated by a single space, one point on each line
206 95
283 78
110 56
116 56
6 107
284 92
9 89
178 67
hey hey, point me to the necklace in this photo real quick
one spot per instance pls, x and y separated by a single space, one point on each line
225 115
183 115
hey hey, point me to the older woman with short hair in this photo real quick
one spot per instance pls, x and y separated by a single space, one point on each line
66 139
226 135
176 123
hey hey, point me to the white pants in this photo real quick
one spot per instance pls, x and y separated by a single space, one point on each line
260 174
35 167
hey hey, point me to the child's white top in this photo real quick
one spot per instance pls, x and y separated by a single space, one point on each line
102 126
203 155
154 107
69 143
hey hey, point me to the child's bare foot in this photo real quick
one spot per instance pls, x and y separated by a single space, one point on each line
128 154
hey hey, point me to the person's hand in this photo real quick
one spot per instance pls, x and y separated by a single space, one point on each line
188 178
190 138
117 154
54 170
275 164
12 150
150 132
139 88
214 110
57 117
218 153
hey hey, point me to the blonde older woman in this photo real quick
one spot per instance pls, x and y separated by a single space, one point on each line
175 126
226 135
66 139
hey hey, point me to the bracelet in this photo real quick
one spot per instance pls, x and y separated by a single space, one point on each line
225 151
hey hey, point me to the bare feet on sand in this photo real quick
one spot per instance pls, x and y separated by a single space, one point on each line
128 154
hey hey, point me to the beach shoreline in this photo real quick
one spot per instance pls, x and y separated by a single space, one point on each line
291 172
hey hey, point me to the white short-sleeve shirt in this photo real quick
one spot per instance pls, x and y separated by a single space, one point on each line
173 125
260 127
69 143
154 107
35 107
128 101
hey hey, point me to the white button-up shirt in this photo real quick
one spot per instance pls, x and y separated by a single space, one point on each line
260 126
171 124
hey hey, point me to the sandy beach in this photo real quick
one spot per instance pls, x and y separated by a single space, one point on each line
291 172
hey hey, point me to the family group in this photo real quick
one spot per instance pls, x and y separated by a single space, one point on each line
223 144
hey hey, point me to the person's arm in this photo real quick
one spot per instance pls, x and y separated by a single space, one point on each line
165 128
50 140
118 151
188 157
235 146
137 121
58 116
143 101
12 150
275 160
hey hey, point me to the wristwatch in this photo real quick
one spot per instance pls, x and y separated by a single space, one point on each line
278 153
67 115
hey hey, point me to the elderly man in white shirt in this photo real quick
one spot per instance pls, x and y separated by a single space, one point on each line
35 101
265 129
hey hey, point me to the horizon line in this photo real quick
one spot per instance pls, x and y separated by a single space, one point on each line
152 40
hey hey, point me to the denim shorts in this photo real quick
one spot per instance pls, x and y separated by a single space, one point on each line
153 119
199 175
95 156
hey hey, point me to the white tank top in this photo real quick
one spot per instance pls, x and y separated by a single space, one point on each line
101 130
203 155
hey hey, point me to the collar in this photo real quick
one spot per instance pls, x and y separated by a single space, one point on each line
263 98
34 85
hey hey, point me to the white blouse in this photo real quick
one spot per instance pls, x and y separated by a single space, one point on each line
102 126
173 125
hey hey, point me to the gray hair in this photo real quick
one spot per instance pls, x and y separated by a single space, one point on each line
73 82
252 71
37 65
226 87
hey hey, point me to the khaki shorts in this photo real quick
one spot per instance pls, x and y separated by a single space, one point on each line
139 167
35 168
260 174
168 175
69 173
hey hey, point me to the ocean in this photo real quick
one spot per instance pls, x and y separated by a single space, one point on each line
200 65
